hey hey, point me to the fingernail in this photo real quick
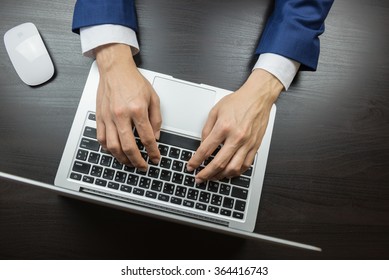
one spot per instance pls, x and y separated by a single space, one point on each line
158 134
190 169
198 181
155 160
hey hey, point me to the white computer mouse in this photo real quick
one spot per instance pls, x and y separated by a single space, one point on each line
28 54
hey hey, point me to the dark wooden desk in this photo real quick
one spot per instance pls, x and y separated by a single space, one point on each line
327 180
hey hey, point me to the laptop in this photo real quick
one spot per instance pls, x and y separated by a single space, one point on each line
166 190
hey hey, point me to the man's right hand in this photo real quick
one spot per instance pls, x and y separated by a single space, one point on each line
125 99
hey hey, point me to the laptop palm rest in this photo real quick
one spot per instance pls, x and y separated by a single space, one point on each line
180 102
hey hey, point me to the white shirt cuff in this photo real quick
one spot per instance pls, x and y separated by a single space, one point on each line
98 35
284 69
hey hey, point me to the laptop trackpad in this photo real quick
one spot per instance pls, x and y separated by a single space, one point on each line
184 107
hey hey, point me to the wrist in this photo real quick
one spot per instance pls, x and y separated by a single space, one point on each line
111 56
264 85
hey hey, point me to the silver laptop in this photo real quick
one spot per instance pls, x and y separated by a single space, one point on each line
166 190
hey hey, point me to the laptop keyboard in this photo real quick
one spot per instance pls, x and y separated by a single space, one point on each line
169 181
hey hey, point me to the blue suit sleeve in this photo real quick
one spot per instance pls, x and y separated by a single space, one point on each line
95 12
293 30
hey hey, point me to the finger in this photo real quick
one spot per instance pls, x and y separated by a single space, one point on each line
100 126
218 164
209 124
113 143
205 150
128 145
147 137
155 115
249 160
235 165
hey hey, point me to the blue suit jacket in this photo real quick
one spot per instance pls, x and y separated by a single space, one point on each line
292 30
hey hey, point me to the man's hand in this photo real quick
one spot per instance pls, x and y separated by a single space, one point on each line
125 99
238 121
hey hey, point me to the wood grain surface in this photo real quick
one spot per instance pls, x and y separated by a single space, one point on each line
327 178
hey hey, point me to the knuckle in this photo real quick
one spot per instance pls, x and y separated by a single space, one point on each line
234 171
245 166
114 148
119 112
129 150
219 165
225 127
101 139
148 141
137 109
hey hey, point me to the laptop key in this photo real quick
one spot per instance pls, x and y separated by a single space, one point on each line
213 186
165 175
151 194
180 191
113 185
138 191
129 168
193 194
228 202
174 152
120 177
108 174
106 160
163 197
82 154
177 178
213 209
186 155
165 162
204 197
225 189
239 193
93 157
237 215
156 185
153 172
75 176
216 199
189 181
96 171
89 144
177 165
90 132
139 144
81 167
100 182
144 182
188 203
168 188
201 206
202 186
225 212
132 179
176 200
241 181
163 149
116 164
92 117
240 205
125 188
88 179
248 172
